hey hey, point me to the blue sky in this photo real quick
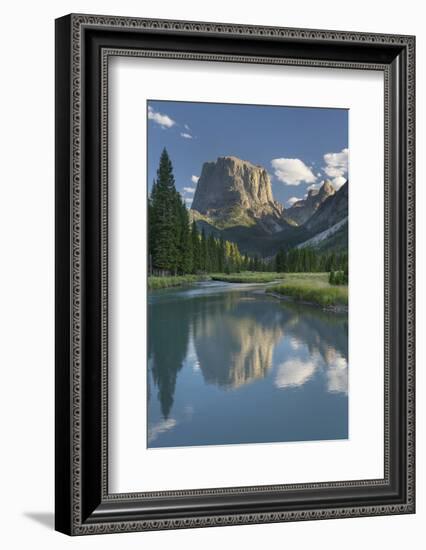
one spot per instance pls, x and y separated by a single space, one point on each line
298 146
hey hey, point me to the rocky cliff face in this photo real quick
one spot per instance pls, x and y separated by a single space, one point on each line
303 210
232 191
332 210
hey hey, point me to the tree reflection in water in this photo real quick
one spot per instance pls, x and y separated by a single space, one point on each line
168 335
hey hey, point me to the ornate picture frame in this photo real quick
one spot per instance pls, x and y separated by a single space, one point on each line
84 44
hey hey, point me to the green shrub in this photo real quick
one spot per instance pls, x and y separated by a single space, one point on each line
338 278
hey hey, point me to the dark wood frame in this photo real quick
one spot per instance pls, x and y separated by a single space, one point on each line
83 45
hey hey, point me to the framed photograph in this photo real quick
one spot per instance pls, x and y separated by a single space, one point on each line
234 274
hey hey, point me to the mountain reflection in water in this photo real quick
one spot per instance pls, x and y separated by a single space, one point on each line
228 364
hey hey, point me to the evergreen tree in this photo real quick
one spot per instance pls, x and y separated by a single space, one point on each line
164 218
176 246
203 251
281 261
235 258
246 263
221 256
229 267
196 249
211 254
185 250
150 232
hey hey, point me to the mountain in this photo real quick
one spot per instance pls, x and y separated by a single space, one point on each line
328 227
331 211
303 210
234 192
234 200
335 238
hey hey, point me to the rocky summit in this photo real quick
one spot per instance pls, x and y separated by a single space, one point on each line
333 210
233 192
304 209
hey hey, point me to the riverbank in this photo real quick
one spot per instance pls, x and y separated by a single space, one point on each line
307 288
311 290
248 277
157 283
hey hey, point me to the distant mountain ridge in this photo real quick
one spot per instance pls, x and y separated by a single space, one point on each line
332 210
302 210
234 200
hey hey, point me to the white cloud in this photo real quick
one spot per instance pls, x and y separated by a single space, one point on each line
163 120
189 189
186 126
187 200
337 375
314 187
159 428
294 372
318 174
195 179
188 412
292 200
186 135
336 164
295 343
292 171
338 182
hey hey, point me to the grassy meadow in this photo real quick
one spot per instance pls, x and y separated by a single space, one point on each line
311 287
157 283
247 277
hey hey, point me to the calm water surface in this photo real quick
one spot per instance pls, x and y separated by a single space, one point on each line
228 364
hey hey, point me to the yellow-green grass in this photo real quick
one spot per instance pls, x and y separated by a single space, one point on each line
313 288
247 277
156 283
317 279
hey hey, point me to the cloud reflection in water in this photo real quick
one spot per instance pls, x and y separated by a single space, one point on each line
294 372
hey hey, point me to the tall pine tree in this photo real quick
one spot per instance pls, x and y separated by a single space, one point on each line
185 250
176 246
196 249
164 218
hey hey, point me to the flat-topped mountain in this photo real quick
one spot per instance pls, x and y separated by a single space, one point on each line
232 192
234 200
304 209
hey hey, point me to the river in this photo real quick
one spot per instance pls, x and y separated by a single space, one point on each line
229 364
